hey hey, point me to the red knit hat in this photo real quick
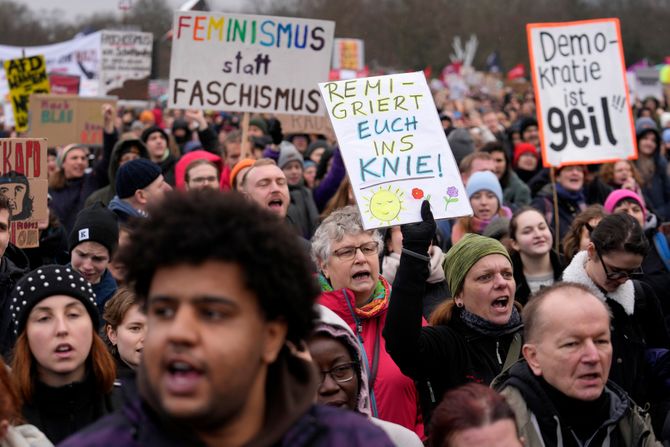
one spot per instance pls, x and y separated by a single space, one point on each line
523 148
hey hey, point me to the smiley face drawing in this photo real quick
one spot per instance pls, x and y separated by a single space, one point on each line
385 204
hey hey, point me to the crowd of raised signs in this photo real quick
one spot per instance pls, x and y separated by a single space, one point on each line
554 292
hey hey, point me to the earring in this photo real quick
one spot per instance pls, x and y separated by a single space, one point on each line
459 304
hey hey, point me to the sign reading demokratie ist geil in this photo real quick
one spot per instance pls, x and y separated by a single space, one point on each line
581 92
249 63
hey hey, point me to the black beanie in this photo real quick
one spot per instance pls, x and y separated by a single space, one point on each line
149 130
45 282
96 224
134 175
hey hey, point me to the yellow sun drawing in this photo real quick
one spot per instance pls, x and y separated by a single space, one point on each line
385 204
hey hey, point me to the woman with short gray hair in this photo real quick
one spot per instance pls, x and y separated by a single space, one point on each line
347 257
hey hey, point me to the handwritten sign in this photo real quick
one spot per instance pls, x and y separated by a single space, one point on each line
249 63
394 149
23 180
581 92
65 119
25 76
126 64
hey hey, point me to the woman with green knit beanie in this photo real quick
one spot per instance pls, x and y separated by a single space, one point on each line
473 336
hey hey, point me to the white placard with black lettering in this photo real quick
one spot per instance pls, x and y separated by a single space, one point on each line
249 63
581 92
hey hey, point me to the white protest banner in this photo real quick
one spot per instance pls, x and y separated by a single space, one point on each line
249 63
126 64
394 149
79 56
579 77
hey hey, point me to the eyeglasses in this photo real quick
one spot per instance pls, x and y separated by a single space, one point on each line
200 180
340 373
621 274
349 253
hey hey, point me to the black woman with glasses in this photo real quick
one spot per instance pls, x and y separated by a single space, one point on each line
611 267
343 384
347 257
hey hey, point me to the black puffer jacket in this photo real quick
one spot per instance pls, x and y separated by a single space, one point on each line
440 357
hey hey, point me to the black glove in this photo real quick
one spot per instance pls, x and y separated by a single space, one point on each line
417 237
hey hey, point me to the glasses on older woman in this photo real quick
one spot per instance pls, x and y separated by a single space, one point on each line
619 274
348 253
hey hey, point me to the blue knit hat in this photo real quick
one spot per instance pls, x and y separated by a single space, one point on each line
484 180
134 175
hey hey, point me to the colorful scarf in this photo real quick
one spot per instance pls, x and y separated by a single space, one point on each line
379 298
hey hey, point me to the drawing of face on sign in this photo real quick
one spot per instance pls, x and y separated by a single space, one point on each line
16 188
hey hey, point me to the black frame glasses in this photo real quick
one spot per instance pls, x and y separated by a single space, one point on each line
341 373
615 276
348 253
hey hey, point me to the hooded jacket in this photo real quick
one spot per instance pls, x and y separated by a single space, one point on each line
540 424
124 211
333 326
13 265
291 419
440 357
68 201
182 164
394 393
637 325
106 193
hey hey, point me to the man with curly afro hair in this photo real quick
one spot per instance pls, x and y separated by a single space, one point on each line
228 296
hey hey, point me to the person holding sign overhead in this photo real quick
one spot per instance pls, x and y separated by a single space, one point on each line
72 184
472 337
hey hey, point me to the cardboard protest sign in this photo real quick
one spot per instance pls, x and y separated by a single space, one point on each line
581 93
23 180
65 119
126 64
307 124
348 54
394 149
248 63
25 76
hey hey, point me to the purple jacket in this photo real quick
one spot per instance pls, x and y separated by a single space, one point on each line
328 186
137 425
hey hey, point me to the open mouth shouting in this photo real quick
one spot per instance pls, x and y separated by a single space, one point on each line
501 304
182 376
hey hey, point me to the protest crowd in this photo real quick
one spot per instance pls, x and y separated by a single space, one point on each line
207 278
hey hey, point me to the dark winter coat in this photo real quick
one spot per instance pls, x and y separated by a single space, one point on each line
53 248
10 273
291 419
68 201
302 213
106 194
656 275
567 210
657 190
60 412
540 424
440 357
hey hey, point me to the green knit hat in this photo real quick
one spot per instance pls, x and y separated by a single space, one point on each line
462 256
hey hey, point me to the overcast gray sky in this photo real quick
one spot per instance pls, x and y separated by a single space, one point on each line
70 9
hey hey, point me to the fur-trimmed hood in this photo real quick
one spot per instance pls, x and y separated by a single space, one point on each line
576 272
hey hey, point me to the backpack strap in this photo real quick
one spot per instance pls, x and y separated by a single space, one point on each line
513 352
661 243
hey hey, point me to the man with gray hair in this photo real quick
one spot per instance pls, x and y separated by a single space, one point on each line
559 392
